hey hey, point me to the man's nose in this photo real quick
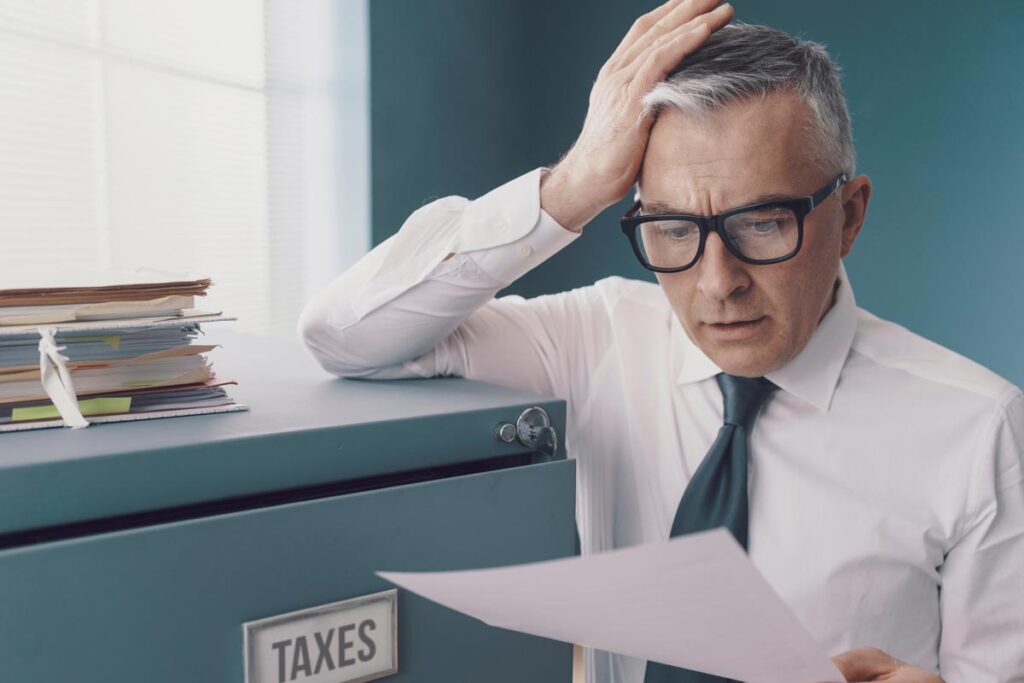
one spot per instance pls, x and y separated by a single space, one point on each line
721 274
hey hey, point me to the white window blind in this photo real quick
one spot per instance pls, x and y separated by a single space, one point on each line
193 135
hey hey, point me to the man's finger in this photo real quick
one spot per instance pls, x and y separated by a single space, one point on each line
865 664
641 24
683 13
650 26
653 64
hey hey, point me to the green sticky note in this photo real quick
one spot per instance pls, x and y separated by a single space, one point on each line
113 339
103 405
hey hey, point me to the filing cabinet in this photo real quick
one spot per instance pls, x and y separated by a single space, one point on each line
137 551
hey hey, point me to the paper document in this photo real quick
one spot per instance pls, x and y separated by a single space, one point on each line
35 286
694 601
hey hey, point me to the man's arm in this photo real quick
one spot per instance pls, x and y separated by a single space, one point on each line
982 595
981 601
397 312
376 322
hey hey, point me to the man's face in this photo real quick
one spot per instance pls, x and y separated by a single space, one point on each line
744 151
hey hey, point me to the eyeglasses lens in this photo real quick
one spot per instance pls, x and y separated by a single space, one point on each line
669 243
761 235
764 234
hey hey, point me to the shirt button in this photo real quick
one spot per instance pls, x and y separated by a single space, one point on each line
410 280
526 250
502 226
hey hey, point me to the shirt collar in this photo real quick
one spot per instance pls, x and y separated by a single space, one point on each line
813 375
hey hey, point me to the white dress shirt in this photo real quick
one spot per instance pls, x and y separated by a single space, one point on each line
886 482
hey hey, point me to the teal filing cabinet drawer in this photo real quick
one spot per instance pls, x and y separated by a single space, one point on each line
136 552
166 604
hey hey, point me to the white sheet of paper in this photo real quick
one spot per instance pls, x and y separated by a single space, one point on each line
694 601
34 277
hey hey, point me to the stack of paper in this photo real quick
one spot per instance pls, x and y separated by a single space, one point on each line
103 348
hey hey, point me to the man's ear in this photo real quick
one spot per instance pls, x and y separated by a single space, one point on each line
855 195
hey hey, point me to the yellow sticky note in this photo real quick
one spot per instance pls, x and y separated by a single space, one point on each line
113 340
103 405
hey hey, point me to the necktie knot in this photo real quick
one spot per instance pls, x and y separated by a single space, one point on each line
743 397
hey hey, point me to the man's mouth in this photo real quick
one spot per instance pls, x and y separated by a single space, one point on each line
737 321
735 330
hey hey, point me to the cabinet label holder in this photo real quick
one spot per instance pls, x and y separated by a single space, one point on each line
350 641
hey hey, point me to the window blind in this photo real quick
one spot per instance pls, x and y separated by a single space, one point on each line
195 135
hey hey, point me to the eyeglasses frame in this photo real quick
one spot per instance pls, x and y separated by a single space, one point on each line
801 206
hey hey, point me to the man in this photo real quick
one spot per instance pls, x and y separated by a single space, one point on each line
874 477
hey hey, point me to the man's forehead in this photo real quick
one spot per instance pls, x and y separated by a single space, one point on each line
745 153
679 190
658 206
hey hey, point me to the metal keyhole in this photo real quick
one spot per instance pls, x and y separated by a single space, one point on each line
533 429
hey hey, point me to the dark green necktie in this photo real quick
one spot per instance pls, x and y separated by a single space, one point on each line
717 494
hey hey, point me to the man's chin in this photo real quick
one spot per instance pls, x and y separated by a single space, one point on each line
748 370
747 359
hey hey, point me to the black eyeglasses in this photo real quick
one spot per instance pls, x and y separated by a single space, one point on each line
759 234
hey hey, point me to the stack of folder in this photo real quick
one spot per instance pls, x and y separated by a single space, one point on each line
104 348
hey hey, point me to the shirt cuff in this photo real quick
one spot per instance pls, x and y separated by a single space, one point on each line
509 262
508 233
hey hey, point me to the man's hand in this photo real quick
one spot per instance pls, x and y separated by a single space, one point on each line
604 161
871 664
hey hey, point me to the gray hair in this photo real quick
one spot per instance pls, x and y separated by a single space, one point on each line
745 61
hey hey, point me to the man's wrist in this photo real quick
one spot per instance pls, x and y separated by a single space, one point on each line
566 200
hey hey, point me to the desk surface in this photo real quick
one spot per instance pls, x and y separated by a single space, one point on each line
304 428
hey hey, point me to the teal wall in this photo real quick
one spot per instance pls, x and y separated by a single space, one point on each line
467 94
